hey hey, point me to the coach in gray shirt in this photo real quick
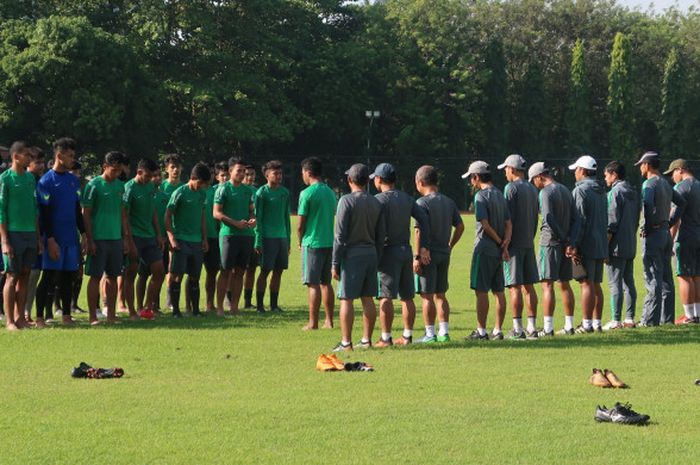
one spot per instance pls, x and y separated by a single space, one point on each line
623 221
396 264
358 245
520 270
657 196
687 245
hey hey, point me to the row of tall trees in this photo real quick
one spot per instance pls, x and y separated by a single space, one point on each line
453 79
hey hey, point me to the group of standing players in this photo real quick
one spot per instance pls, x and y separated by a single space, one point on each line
139 234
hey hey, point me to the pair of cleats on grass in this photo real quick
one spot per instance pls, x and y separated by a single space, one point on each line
331 362
620 413
606 379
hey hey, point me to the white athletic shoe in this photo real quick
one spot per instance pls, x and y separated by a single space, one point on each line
612 325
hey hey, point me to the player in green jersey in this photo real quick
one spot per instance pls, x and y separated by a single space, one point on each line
186 226
233 206
249 278
107 233
272 233
18 229
212 259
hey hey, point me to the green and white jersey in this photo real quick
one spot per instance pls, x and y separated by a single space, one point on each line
106 201
186 207
272 210
18 207
317 204
168 188
235 202
140 203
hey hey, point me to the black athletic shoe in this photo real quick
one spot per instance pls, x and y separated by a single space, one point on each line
580 329
531 335
475 336
497 336
261 309
276 310
623 413
565 332
602 414
177 314
544 333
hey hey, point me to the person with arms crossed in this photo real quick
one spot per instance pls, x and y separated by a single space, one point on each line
316 213
687 239
396 265
623 220
520 271
493 236
559 221
446 228
357 248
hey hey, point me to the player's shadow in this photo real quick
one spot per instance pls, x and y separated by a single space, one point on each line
246 319
664 335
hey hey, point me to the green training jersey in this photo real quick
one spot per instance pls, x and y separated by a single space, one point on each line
18 207
168 188
272 210
105 200
140 203
235 202
212 224
186 207
317 204
161 203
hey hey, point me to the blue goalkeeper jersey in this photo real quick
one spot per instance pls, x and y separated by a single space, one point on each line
61 193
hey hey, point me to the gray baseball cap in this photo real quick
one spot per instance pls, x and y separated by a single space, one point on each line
647 157
536 169
384 171
477 167
358 173
514 161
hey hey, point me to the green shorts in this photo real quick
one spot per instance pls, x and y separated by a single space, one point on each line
486 273
521 268
687 259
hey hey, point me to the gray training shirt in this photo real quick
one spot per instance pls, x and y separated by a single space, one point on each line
657 195
358 223
443 215
521 197
689 214
623 220
559 217
592 207
489 204
397 208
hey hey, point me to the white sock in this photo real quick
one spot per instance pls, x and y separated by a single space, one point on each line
517 325
689 310
407 333
596 324
386 336
364 341
530 324
568 322
587 324
345 343
496 331
697 309
443 328
548 324
481 331
430 330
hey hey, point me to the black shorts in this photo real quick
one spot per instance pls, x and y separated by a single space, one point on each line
147 250
275 254
486 273
212 257
188 259
433 278
236 251
396 273
108 259
24 251
316 265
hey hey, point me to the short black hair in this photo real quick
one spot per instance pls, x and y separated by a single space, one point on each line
313 165
389 179
272 165
655 163
617 168
233 161
428 175
63 144
250 166
172 159
76 166
221 166
19 147
201 172
115 158
37 153
484 177
589 173
147 164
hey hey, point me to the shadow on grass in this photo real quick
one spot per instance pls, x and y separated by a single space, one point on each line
670 335
247 319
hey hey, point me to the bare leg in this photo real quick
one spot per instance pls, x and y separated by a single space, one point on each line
548 298
516 301
127 289
408 311
500 309
443 307
598 307
210 285
141 282
369 317
482 309
386 314
567 297
222 286
236 285
686 289
93 298
587 299
314 293
530 300
156 283
111 288
21 298
347 316
121 293
429 311
9 301
328 299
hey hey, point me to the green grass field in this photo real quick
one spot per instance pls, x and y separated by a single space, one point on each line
244 390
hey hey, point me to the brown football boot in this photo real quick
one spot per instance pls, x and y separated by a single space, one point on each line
598 379
382 343
614 380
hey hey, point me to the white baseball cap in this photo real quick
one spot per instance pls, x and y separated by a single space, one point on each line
514 161
536 169
477 167
585 162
